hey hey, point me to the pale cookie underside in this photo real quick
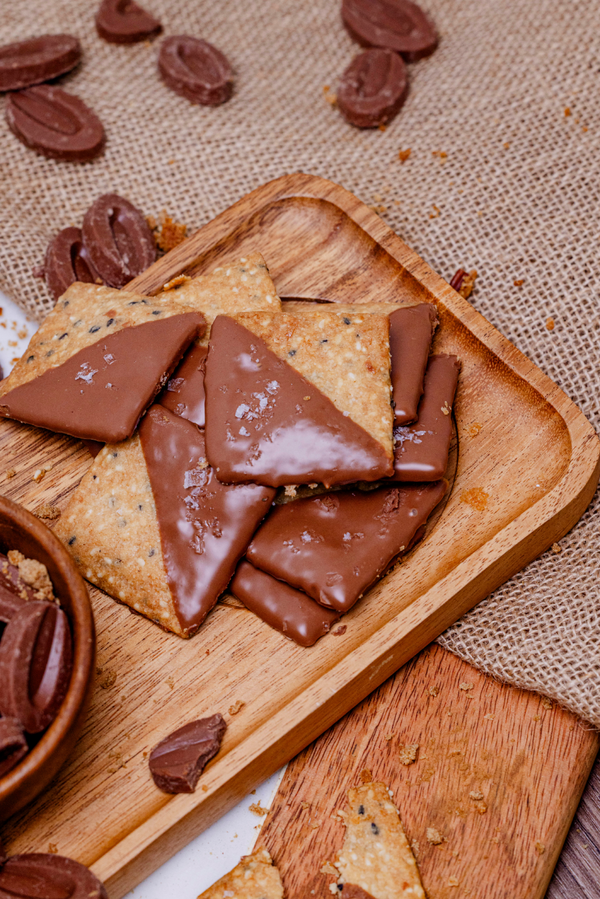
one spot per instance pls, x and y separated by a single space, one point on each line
376 855
345 355
255 877
241 286
111 530
84 315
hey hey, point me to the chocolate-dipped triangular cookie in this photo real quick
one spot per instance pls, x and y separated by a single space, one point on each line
299 398
152 526
97 361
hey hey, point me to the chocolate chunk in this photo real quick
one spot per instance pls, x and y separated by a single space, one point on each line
351 891
179 760
38 59
184 393
411 333
13 747
118 240
101 391
421 452
205 526
196 70
124 22
67 260
41 876
287 610
373 88
335 546
55 123
266 423
35 665
395 24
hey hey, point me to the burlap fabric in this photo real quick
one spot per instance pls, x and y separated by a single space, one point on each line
504 130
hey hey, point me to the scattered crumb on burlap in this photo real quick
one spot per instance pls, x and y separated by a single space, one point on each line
518 195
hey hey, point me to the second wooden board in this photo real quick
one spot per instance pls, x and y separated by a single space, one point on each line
528 465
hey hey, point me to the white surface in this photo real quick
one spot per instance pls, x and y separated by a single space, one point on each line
219 848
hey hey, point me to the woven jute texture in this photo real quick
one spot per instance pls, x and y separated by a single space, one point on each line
503 126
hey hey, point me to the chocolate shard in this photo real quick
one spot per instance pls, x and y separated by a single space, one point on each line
205 526
267 423
124 22
421 452
178 761
289 611
411 333
35 665
45 876
13 747
101 391
184 394
335 546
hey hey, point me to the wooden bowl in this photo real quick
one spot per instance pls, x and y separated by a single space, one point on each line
21 530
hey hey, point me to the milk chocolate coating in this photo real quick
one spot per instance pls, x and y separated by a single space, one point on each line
350 891
67 260
411 333
268 424
178 761
55 123
41 876
395 24
184 393
205 526
280 606
421 449
373 88
118 239
38 59
13 747
124 22
335 546
35 665
196 70
101 391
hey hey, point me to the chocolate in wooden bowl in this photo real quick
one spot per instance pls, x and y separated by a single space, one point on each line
21 530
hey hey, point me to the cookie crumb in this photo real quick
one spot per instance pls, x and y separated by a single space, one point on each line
519 282
236 707
476 795
108 680
408 754
204 788
403 155
567 112
556 548
38 475
489 717
176 282
51 513
546 703
169 233
465 686
330 97
453 882
290 490
550 324
366 776
52 848
327 868
433 691
257 809
475 429
10 473
435 212
304 805
475 497
540 848
434 836
389 737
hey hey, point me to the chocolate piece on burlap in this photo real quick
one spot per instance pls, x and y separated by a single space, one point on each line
177 762
299 398
411 333
421 452
241 286
184 394
97 362
335 546
290 611
152 526
38 59
255 877
376 857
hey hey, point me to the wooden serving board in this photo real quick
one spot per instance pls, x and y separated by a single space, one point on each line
528 759
528 465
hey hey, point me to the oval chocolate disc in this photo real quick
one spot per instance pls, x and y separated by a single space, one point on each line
55 123
67 260
393 24
38 59
124 22
13 746
373 88
118 240
10 604
196 70
41 876
35 665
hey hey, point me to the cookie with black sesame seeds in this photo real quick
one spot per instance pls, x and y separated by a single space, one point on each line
255 877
